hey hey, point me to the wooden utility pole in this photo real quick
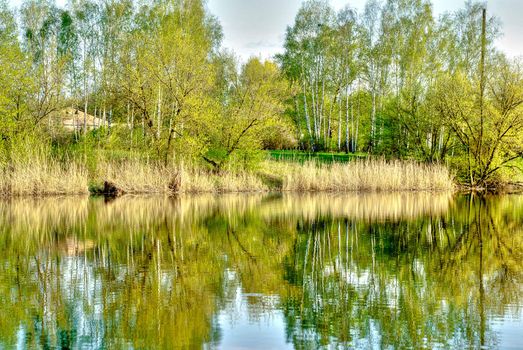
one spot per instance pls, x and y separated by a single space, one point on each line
482 62
478 150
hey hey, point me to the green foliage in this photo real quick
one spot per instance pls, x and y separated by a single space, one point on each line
372 82
490 129
323 157
252 104
152 82
15 80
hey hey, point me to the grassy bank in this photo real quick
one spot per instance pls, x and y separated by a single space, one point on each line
322 157
45 177
364 175
137 177
41 176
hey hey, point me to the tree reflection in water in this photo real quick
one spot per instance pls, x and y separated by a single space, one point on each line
397 270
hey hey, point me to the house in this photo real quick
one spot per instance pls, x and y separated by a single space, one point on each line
73 119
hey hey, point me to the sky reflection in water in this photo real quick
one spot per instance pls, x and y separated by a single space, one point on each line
261 272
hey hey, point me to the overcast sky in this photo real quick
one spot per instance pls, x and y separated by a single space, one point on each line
257 27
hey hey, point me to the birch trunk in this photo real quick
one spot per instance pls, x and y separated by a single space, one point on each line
132 126
328 132
356 134
159 109
128 116
340 126
347 136
306 108
322 104
373 120
85 89
94 120
104 119
314 88
110 120
298 122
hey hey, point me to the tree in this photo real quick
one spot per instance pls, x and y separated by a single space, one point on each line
307 64
491 141
41 27
16 86
169 74
253 101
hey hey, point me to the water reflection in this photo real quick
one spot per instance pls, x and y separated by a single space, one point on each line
364 271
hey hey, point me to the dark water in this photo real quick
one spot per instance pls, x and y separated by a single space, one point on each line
240 272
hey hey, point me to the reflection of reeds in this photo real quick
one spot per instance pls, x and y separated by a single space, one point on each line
36 215
68 214
366 206
146 212
363 206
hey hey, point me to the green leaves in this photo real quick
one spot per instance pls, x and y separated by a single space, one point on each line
492 140
252 102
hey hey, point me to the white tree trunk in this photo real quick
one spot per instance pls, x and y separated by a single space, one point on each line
306 108
373 120
159 109
340 126
347 136
85 89
132 126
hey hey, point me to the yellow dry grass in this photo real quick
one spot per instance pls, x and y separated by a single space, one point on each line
368 175
135 177
40 176
44 176
365 176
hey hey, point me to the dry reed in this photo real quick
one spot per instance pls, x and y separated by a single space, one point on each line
137 178
368 175
40 176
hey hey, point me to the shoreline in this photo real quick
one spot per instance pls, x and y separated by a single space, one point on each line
95 194
134 177
50 178
89 194
98 194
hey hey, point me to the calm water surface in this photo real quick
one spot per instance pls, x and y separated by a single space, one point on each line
393 271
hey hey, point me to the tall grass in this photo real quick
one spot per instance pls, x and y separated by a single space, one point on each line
363 175
39 175
138 177
368 175
42 176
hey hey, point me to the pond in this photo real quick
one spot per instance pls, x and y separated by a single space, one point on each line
364 271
